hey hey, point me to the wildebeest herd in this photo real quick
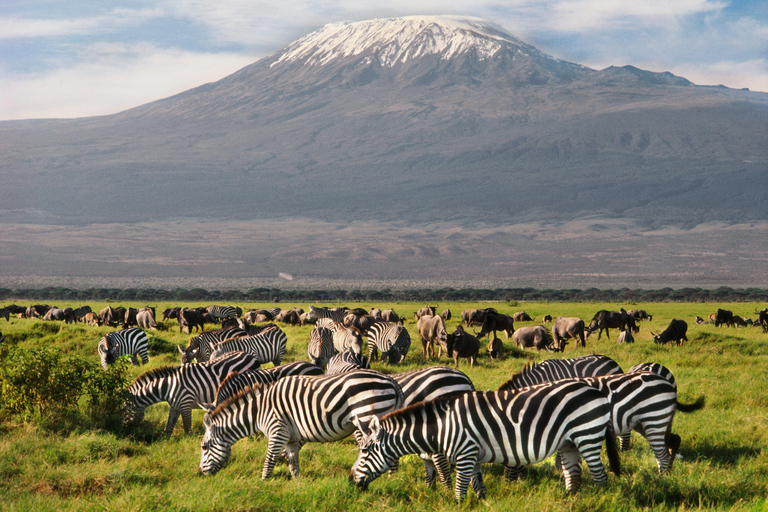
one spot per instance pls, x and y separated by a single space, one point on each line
570 407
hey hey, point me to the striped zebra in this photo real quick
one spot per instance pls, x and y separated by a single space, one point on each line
183 387
645 402
509 428
430 384
346 339
335 314
237 381
126 342
223 312
551 370
346 362
267 346
392 340
625 440
293 411
320 349
201 347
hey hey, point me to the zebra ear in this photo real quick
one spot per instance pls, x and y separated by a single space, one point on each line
362 427
374 426
207 421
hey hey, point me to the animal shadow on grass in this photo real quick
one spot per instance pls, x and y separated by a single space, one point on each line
720 455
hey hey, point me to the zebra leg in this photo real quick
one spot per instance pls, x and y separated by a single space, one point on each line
173 417
625 441
559 461
515 473
571 467
477 482
440 461
292 453
673 446
465 468
591 453
394 468
277 442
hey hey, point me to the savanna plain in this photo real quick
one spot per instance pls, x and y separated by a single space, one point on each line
69 465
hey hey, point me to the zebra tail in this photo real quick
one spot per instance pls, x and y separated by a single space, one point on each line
695 406
612 448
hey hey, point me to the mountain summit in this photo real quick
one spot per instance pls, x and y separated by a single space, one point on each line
419 121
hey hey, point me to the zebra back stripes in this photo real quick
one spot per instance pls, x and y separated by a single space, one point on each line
392 340
267 346
654 368
222 312
183 387
551 370
126 342
320 348
346 362
201 347
237 381
293 411
335 314
509 428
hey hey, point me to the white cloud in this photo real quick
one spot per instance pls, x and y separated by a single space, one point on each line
114 78
17 28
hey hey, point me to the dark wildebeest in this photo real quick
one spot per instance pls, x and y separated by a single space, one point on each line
432 332
739 321
475 316
41 309
723 316
675 332
390 316
495 347
446 314
496 322
762 319
107 316
289 316
461 344
361 322
640 314
547 319
129 319
145 318
568 327
522 316
699 320
67 315
81 312
603 320
425 311
171 313
16 310
5 312
189 319
534 336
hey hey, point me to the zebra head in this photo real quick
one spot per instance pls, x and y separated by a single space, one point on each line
106 352
373 457
187 356
214 451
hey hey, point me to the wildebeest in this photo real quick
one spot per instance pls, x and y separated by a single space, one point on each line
675 332
289 316
129 319
2 338
4 312
425 311
723 316
462 344
603 320
15 309
190 319
495 347
762 319
625 337
446 314
67 315
171 313
375 312
111 317
361 322
496 322
640 314
92 319
534 336
568 327
81 312
522 316
432 332
145 318
390 316
475 316
39 310
546 319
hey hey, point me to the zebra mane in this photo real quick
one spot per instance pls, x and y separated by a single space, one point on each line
155 373
511 384
229 377
236 398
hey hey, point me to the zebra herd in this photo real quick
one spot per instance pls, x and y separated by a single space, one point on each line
567 407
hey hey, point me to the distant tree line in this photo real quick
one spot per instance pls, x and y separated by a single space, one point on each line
150 295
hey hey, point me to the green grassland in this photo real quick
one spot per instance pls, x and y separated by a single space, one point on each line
724 464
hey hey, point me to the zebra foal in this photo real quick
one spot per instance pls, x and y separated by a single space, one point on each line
509 428
293 411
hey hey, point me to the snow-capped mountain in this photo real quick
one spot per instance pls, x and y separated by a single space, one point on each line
416 120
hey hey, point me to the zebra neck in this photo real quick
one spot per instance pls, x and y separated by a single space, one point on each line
416 432
152 392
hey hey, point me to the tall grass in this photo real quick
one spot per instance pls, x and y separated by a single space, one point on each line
724 463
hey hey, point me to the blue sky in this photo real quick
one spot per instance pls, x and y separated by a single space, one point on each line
75 58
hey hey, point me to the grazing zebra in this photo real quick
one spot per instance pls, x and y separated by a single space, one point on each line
222 312
127 342
654 368
346 339
551 370
267 346
346 362
237 381
293 411
335 314
201 347
430 384
645 402
183 387
392 340
320 349
510 428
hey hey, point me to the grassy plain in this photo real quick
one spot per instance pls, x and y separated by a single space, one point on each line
724 446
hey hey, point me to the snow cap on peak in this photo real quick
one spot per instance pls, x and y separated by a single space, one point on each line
395 40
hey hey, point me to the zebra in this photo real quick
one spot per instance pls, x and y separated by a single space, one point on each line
183 387
126 342
346 362
223 312
625 441
645 402
335 314
510 428
236 381
320 348
267 346
346 339
392 340
293 411
201 347
430 384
